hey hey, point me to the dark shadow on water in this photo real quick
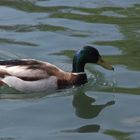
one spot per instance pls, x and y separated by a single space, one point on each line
93 128
88 128
119 135
12 41
85 106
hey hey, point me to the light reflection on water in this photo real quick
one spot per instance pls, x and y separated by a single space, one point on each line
52 30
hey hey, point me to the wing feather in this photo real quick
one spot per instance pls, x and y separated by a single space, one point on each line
29 69
24 69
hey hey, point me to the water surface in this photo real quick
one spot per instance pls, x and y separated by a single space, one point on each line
107 107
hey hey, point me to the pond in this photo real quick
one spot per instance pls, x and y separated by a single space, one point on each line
107 107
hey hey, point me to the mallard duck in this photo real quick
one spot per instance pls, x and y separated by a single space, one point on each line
29 75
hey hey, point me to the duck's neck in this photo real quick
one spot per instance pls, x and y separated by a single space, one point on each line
70 79
78 63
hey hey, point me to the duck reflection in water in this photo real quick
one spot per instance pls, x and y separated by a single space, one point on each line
84 107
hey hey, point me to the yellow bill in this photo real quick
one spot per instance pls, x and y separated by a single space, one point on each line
104 64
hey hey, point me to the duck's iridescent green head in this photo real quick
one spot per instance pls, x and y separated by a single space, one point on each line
88 54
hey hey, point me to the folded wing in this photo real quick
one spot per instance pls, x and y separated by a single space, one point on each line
24 69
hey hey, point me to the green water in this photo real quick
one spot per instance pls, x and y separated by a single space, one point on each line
107 107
